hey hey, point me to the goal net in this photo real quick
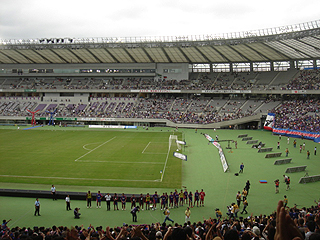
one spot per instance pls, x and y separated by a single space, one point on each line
173 141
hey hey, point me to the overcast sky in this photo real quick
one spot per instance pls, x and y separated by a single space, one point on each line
24 19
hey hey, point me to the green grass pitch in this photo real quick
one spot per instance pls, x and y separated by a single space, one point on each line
89 158
130 161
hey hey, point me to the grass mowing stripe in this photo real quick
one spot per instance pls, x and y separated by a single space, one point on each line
94 179
53 154
13 223
117 162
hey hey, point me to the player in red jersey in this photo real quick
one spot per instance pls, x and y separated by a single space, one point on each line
202 195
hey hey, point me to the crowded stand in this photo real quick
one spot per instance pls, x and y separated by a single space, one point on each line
192 109
197 81
293 114
306 80
285 223
178 110
298 115
289 80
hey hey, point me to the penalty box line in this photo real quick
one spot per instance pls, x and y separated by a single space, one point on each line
148 146
94 149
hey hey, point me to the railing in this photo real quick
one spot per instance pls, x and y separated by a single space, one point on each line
158 39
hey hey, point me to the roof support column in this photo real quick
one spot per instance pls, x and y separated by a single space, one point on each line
272 66
314 64
292 64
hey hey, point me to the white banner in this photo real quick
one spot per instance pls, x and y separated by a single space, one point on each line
180 155
222 157
106 126
181 142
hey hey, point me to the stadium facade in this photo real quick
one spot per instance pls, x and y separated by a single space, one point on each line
233 67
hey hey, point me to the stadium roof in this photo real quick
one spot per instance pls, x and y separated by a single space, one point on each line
294 42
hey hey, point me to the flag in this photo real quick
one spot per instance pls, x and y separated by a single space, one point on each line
269 123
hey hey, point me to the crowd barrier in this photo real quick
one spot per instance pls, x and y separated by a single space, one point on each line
272 155
297 133
296 169
282 161
257 145
247 138
309 179
265 150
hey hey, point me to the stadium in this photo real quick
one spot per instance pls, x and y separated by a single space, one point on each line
120 115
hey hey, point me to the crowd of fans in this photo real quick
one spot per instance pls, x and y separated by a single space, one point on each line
284 224
178 110
290 114
306 80
298 115
293 114
303 80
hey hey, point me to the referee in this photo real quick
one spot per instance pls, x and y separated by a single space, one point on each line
108 200
53 192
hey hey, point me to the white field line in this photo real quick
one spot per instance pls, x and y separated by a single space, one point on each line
95 179
85 146
146 147
165 165
94 149
151 152
117 162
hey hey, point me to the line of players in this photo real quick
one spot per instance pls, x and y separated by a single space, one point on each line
174 200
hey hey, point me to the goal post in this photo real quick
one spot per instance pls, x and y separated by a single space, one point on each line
173 139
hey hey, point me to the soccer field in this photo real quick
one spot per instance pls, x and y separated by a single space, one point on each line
124 158
130 161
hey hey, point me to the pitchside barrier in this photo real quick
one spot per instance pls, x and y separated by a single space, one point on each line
272 155
257 145
296 169
309 179
247 138
242 135
282 161
252 141
265 150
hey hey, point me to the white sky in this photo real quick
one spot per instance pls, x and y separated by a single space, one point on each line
23 19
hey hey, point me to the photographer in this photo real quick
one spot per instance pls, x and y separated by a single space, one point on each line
76 213
134 213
